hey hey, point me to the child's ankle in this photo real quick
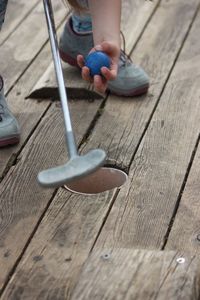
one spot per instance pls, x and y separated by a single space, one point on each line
82 24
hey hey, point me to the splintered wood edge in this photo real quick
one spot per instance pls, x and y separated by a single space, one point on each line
73 93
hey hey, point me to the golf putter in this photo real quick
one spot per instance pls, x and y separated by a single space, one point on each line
77 166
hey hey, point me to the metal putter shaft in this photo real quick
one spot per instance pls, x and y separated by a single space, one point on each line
77 166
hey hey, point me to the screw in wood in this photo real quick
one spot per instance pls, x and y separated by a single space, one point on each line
180 260
106 256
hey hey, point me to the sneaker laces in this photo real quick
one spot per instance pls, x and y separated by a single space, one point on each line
1 112
124 57
1 105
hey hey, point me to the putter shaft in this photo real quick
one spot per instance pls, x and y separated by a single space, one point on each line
71 145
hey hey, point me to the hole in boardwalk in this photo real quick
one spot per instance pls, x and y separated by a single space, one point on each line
104 179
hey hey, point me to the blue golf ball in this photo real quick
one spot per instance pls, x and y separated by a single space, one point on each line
95 61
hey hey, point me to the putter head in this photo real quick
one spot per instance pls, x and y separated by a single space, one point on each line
75 168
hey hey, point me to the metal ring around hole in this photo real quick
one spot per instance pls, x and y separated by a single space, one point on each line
104 179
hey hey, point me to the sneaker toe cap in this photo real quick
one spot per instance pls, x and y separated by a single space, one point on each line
129 79
9 128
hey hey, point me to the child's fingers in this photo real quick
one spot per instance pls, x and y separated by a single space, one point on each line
86 74
100 84
109 74
85 70
80 61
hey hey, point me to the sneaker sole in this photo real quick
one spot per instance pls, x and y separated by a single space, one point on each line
9 141
131 93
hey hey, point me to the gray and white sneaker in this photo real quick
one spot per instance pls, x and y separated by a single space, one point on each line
9 128
131 80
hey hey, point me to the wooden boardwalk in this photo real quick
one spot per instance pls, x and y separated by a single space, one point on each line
139 242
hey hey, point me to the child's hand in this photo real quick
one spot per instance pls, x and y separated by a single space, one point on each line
100 82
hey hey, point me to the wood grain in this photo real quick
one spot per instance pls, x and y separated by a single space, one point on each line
125 274
185 233
157 173
27 112
184 236
77 88
143 209
15 14
47 161
134 19
25 43
53 261
124 120
22 200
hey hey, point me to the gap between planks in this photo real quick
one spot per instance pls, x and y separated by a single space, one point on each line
14 18
171 223
18 164
151 195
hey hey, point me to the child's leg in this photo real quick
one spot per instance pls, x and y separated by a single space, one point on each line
9 128
77 36
81 20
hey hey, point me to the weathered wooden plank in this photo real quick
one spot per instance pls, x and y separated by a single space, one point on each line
32 111
135 15
134 19
123 120
27 118
125 274
22 200
26 259
143 209
15 14
59 247
77 88
27 112
24 44
185 233
49 158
